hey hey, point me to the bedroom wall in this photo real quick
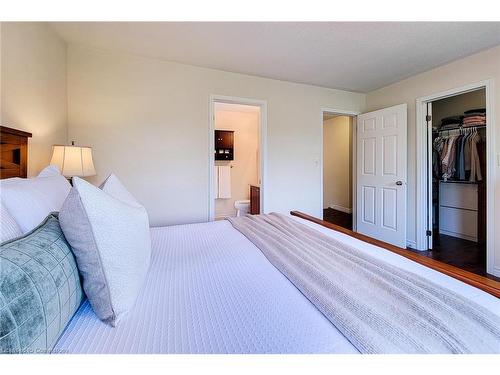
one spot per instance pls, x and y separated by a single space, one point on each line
244 169
33 87
147 121
475 68
337 163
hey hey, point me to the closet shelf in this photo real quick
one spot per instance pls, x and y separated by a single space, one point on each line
458 128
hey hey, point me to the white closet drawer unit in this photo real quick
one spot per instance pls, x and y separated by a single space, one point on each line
458 205
458 195
458 223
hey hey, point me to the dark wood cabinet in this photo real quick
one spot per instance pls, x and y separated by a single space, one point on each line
224 145
13 152
254 200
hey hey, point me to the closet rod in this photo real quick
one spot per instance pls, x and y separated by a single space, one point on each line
459 128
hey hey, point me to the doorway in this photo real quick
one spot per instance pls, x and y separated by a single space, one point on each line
237 154
378 179
458 178
338 169
458 235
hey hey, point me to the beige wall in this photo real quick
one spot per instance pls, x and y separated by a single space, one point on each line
337 163
475 68
33 87
147 121
245 168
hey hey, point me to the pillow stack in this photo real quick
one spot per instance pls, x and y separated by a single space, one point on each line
108 231
100 236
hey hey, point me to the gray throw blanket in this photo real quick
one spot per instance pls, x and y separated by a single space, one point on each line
378 307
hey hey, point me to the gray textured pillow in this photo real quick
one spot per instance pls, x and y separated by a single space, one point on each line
108 231
39 289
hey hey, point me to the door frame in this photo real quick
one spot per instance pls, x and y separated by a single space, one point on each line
213 98
424 183
354 115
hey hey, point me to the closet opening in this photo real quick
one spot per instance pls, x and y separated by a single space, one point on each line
237 140
338 169
457 193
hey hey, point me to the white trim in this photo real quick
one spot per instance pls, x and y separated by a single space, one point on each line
411 244
422 178
347 210
354 115
262 147
490 178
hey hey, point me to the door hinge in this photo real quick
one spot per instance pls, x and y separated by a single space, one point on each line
428 118
428 233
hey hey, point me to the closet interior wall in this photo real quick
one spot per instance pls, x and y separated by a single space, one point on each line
459 166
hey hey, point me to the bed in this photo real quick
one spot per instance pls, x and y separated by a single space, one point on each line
209 289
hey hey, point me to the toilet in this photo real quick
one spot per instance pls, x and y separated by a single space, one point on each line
242 207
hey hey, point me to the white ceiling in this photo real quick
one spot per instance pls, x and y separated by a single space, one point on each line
353 56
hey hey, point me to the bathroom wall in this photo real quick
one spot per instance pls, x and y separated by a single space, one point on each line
245 164
337 163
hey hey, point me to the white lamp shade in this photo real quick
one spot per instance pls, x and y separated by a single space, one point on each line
73 160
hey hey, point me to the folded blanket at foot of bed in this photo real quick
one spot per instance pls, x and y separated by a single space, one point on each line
377 306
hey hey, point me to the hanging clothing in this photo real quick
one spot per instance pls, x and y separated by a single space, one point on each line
461 158
456 156
448 166
475 173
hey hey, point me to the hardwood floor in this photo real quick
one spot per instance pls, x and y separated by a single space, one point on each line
467 255
339 218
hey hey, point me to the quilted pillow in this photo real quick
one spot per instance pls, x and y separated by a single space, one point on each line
8 226
39 289
108 231
30 200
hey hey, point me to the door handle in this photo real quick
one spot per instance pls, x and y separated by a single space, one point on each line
399 183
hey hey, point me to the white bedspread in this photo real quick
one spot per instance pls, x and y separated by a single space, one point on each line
210 290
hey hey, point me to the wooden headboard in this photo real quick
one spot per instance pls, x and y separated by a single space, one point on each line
14 152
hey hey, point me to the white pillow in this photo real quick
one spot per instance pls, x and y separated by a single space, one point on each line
8 226
51 170
30 200
108 231
113 186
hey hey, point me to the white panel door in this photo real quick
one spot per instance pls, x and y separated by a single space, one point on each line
381 174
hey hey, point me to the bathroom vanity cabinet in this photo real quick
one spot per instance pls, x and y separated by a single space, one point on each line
254 200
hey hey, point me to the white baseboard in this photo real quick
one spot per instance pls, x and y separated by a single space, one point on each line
411 244
340 208
496 271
